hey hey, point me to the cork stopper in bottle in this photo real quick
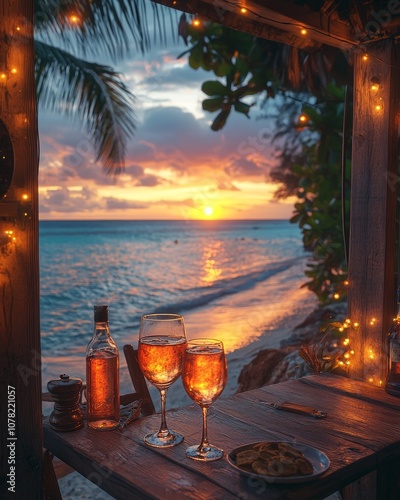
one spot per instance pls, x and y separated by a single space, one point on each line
101 314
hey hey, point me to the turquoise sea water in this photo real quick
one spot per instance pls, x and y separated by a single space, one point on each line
238 281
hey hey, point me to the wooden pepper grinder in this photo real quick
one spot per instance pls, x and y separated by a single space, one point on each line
67 415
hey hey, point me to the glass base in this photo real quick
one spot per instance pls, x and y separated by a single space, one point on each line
207 454
172 438
103 424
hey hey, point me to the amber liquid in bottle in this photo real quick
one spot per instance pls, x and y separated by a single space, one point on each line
102 391
392 385
102 375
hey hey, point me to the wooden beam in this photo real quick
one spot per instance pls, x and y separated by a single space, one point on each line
20 358
279 21
246 24
373 208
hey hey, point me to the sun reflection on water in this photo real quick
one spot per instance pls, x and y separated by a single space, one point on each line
211 268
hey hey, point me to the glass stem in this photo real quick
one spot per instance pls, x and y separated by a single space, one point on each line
204 445
163 432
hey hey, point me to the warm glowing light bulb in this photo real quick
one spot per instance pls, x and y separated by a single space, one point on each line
14 71
303 31
303 118
196 22
346 283
74 19
18 28
365 57
356 325
374 87
24 196
243 10
3 76
378 107
336 296
346 342
370 379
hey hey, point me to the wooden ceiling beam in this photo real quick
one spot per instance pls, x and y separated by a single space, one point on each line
280 21
293 18
242 23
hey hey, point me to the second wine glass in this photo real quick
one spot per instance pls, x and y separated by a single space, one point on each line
162 343
204 377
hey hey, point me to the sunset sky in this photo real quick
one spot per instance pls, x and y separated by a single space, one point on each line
176 166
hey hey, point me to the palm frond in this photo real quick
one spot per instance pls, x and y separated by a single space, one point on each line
102 26
91 93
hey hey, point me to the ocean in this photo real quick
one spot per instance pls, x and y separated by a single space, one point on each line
233 280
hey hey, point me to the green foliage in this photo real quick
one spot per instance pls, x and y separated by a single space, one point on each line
311 164
316 171
228 55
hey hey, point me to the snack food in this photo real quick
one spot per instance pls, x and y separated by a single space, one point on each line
274 459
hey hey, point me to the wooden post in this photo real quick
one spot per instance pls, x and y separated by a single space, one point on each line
373 208
20 358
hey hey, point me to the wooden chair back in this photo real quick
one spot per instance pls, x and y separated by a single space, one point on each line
138 381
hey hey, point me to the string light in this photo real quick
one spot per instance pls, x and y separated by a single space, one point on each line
378 106
303 119
243 10
303 31
196 21
336 296
74 19
374 87
25 196
10 235
365 57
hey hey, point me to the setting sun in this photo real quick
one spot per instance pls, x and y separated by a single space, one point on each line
208 211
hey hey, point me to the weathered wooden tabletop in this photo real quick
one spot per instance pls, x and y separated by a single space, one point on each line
361 437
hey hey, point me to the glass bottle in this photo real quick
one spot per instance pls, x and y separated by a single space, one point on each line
102 375
392 385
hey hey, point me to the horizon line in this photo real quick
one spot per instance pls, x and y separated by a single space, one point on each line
159 220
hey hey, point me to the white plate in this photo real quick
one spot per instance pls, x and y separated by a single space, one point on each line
318 459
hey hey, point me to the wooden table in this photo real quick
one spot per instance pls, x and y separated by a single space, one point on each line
361 436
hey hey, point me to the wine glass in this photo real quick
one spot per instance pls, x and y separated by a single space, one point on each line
162 343
204 377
